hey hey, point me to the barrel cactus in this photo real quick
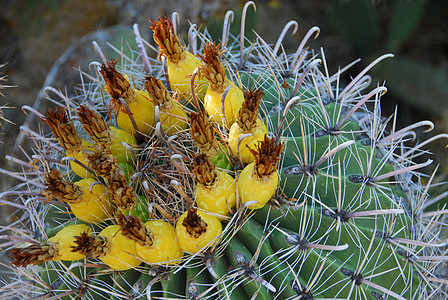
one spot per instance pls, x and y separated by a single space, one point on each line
224 171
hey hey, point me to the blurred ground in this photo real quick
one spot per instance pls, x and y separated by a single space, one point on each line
35 36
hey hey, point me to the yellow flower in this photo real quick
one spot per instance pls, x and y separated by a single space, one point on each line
213 69
139 111
258 180
120 253
247 122
164 248
215 190
181 63
63 241
197 230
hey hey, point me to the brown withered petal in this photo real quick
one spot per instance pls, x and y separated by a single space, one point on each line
105 165
194 224
204 170
116 83
102 162
122 194
168 42
117 86
213 68
90 245
57 187
203 133
248 113
133 228
159 94
63 130
267 155
33 254
95 125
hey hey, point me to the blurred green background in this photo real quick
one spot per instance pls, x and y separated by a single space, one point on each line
45 41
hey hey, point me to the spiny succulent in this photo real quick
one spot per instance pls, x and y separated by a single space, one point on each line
232 171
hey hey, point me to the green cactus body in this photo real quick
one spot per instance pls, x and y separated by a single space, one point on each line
347 219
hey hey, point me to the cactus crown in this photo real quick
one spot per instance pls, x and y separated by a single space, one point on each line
327 203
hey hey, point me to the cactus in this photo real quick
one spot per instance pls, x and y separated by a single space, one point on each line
242 173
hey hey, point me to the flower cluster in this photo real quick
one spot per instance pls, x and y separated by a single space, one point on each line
231 172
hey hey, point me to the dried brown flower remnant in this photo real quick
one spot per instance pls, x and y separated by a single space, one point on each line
95 125
194 224
33 254
159 94
248 113
57 187
133 228
204 170
90 245
117 86
105 165
213 68
167 40
102 162
203 133
63 130
267 156
122 194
